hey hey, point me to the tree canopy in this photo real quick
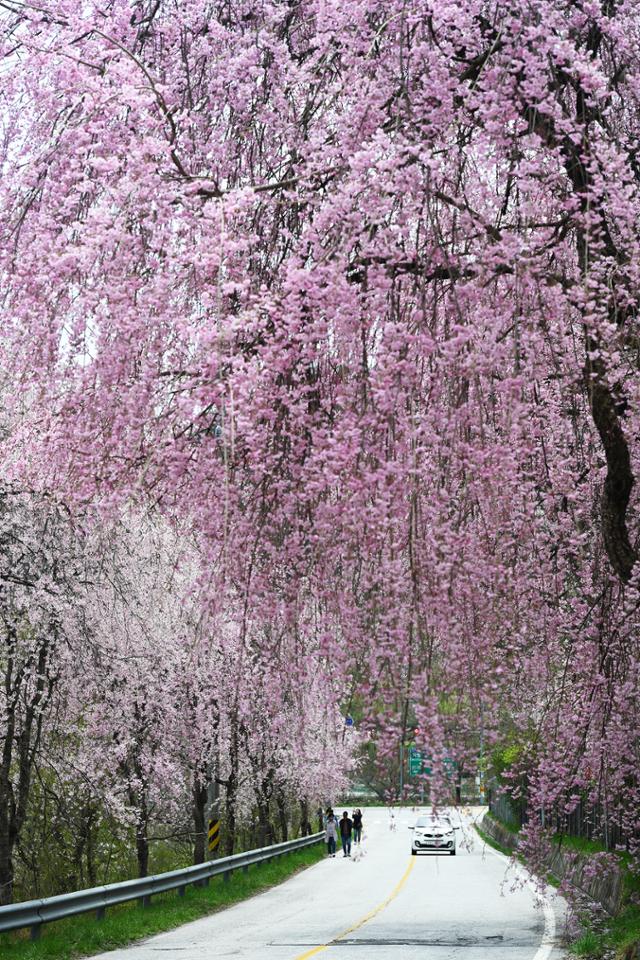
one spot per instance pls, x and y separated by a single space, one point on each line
347 293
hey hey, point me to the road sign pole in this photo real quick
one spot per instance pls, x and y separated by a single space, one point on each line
213 836
213 832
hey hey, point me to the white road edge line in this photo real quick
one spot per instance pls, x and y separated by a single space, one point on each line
547 943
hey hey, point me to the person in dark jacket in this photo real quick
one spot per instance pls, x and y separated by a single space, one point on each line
346 829
357 825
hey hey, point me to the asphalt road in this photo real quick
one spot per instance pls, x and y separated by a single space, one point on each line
386 905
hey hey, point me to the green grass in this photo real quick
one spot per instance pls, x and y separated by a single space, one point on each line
84 935
507 824
613 935
588 945
579 844
613 938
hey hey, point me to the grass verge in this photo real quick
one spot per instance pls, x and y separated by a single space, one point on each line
617 938
613 936
84 935
490 842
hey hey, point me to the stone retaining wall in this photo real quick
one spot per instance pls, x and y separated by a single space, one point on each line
605 889
494 829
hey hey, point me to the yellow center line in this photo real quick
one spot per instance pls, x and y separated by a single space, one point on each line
368 916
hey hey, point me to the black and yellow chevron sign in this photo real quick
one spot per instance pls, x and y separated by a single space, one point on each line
214 834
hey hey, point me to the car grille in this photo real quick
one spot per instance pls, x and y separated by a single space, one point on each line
432 839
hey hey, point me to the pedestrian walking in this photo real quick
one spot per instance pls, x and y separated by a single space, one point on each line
346 829
331 833
357 825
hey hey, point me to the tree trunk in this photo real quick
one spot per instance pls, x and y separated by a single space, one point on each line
199 820
7 816
6 862
92 875
230 797
19 750
142 829
265 832
142 848
281 804
305 826
78 859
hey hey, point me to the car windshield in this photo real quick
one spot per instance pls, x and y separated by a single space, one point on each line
426 822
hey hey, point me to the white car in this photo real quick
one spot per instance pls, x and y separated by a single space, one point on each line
433 835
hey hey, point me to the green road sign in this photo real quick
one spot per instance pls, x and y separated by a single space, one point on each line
419 763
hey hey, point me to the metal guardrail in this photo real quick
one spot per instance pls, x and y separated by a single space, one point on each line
33 913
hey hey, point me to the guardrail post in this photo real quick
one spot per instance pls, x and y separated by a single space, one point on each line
35 931
245 869
226 876
146 900
181 891
100 912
